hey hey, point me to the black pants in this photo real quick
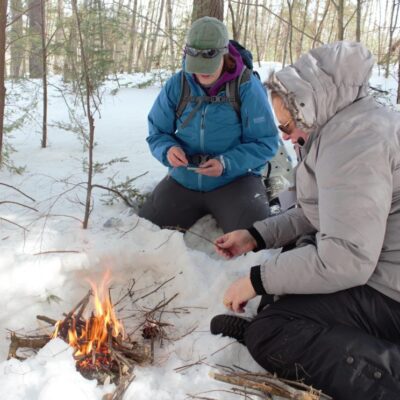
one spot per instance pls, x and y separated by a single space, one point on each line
345 343
235 206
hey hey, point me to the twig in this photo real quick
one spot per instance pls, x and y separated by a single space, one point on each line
129 293
161 305
50 321
378 90
18 342
165 241
187 366
184 230
131 229
64 215
270 384
280 18
118 193
153 291
19 191
222 348
14 223
55 251
18 204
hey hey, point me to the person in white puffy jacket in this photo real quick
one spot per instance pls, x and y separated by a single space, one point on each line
336 323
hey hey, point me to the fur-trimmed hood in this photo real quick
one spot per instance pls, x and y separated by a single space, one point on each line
323 82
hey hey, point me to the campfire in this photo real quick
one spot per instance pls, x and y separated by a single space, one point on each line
101 347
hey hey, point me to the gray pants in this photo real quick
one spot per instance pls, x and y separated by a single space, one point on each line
235 206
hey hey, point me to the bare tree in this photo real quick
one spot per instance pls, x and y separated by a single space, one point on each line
246 25
303 28
358 21
393 23
132 39
398 77
291 4
89 114
143 36
44 69
210 8
169 29
339 5
35 52
15 38
3 24
150 55
234 26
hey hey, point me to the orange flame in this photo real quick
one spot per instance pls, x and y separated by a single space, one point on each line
101 327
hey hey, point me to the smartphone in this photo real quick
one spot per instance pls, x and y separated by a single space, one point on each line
193 168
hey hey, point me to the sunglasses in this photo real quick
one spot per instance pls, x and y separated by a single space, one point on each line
206 53
285 127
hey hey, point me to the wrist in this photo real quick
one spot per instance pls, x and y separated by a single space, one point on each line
256 281
258 240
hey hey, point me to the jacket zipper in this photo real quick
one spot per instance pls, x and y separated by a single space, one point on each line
202 123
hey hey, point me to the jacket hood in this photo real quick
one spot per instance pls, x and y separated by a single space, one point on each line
324 81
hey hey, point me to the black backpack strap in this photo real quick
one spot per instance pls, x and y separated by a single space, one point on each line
233 89
185 96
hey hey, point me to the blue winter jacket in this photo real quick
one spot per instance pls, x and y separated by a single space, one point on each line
243 145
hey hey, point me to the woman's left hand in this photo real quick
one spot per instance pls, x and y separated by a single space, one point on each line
212 167
238 294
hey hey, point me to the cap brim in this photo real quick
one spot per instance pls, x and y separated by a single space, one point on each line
201 65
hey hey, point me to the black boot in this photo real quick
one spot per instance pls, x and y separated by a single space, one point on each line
229 325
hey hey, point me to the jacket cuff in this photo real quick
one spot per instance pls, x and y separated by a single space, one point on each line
258 238
255 278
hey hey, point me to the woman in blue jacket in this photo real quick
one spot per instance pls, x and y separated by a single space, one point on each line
215 153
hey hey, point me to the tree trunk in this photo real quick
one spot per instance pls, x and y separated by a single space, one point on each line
358 21
143 38
392 27
150 57
89 115
278 33
340 16
132 38
291 4
321 24
35 54
3 24
15 35
170 36
146 56
234 25
246 25
398 78
44 67
256 35
209 8
303 27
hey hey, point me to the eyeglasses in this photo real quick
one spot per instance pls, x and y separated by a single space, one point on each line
285 127
206 53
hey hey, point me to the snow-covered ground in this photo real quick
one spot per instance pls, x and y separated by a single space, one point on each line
117 240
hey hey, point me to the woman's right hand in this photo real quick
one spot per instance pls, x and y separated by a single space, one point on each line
235 243
177 157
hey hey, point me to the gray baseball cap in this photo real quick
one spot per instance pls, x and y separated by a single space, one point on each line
206 33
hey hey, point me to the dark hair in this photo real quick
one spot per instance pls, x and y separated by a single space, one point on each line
229 63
